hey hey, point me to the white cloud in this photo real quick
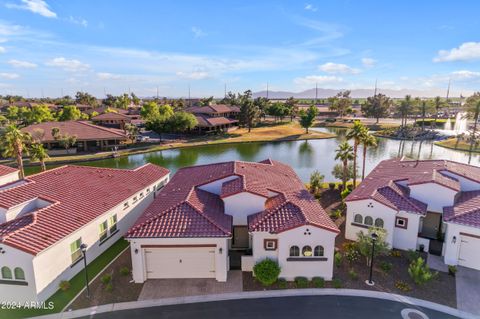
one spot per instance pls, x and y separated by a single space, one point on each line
465 52
68 65
36 6
3 50
320 79
310 7
79 21
335 68
9 76
327 31
465 75
22 64
368 62
196 75
198 33
108 76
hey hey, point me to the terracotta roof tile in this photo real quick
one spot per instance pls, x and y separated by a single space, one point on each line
5 170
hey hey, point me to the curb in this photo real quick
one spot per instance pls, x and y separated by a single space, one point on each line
258 295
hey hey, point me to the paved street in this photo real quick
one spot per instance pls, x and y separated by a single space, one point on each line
468 283
318 307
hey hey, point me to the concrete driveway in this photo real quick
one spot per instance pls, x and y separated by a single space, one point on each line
167 288
468 290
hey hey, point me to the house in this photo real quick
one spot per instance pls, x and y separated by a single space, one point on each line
8 175
112 119
89 137
46 217
431 205
212 118
212 218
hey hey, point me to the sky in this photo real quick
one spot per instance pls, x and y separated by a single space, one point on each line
53 48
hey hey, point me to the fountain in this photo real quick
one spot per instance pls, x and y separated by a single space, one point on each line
460 123
448 125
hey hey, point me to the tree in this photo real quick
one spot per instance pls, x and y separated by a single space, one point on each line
230 99
67 141
292 108
69 113
341 103
277 110
55 133
135 99
316 180
377 106
13 143
420 272
267 271
13 113
405 108
307 118
159 122
85 98
364 243
339 172
132 131
206 101
109 100
438 104
182 121
248 111
149 111
367 141
37 114
123 101
261 103
38 153
344 153
356 133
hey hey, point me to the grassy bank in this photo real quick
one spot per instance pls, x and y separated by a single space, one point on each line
453 144
372 127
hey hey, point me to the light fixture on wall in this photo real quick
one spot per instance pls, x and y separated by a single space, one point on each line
454 239
220 250
136 251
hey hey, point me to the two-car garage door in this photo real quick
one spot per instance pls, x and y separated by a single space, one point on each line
469 255
180 262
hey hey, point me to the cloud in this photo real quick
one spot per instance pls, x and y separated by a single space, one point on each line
68 65
326 31
368 62
310 7
196 75
108 76
3 50
198 33
79 21
465 75
467 51
36 6
335 68
320 79
22 64
9 76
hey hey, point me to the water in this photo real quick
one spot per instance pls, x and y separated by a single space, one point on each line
303 156
460 123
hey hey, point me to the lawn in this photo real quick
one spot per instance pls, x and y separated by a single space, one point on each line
61 298
456 144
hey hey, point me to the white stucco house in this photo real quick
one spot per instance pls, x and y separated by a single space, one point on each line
45 217
212 218
432 205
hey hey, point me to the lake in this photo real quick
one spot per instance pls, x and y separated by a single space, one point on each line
303 156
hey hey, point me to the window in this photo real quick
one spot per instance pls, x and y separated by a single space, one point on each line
135 199
125 205
294 251
75 251
318 251
19 274
379 223
141 195
6 273
401 222
270 244
368 221
358 219
113 224
148 190
103 231
307 251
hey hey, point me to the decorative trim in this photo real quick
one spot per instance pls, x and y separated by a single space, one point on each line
469 235
405 220
307 259
13 282
360 225
177 246
265 246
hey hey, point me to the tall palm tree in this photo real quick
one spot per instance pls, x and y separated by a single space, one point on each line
38 153
344 153
13 142
367 141
356 133
437 102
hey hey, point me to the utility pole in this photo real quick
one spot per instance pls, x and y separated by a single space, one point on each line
316 92
61 92
375 92
225 91
105 91
157 92
267 90
189 100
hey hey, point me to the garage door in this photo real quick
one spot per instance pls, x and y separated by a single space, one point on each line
469 252
180 262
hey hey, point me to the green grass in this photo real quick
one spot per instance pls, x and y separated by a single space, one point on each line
61 298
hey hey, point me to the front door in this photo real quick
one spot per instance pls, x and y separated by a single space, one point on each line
240 237
431 225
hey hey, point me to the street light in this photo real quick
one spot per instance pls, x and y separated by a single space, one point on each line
83 247
374 239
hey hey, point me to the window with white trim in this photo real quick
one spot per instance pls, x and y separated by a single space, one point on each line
103 230
358 219
318 251
19 273
379 223
6 273
113 224
294 251
75 251
368 221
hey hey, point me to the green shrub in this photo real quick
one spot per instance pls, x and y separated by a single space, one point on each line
108 287
386 266
452 270
331 186
338 258
353 275
301 282
345 192
336 214
336 283
420 272
316 181
395 253
124 271
106 279
64 285
318 282
412 255
282 283
351 252
403 286
266 271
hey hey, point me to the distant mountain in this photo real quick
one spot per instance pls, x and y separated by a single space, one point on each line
357 93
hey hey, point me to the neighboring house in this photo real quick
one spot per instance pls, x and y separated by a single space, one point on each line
112 119
89 137
213 118
46 217
432 205
8 175
213 218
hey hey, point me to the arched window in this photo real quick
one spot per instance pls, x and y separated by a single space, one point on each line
318 251
379 223
368 221
6 273
307 251
19 274
294 251
358 219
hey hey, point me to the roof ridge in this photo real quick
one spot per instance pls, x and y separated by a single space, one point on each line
100 128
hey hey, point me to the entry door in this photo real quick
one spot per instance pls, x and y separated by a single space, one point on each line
240 237
431 224
469 253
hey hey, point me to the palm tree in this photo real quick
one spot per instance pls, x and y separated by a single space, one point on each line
367 141
38 153
437 102
356 133
13 142
344 153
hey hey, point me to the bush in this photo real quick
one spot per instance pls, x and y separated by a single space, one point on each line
301 282
336 283
452 270
266 271
412 255
345 193
338 258
316 181
318 282
64 285
386 266
282 283
402 286
420 272
124 271
395 253
106 279
351 252
331 186
336 214
108 287
352 274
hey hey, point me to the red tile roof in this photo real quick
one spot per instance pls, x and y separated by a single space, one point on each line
84 131
205 121
198 213
466 210
78 195
5 170
210 109
111 116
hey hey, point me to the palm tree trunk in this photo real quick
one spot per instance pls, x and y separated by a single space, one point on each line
19 160
364 159
44 167
355 148
345 174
